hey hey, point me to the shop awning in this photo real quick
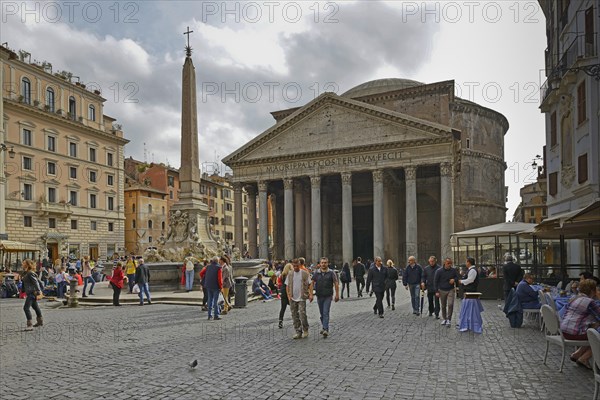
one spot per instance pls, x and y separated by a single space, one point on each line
583 223
11 246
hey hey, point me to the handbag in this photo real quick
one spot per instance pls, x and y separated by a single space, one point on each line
39 295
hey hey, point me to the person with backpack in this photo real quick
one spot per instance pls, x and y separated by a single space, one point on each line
32 289
325 281
346 278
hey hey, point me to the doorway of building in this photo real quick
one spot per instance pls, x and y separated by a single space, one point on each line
52 252
362 232
93 251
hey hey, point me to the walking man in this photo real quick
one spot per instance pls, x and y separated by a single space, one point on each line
513 273
325 280
377 276
359 275
299 288
413 273
427 283
142 278
444 284
213 279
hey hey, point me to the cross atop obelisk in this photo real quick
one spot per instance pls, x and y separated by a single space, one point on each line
188 49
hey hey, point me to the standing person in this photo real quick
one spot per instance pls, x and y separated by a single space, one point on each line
87 276
213 280
444 284
325 280
61 282
31 288
513 274
285 300
411 279
189 273
299 288
471 282
142 278
130 268
377 276
390 284
359 276
427 283
346 278
116 282
204 291
227 275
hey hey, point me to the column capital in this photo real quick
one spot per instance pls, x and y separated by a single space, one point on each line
346 178
251 190
288 183
315 181
410 172
446 169
237 186
378 175
262 186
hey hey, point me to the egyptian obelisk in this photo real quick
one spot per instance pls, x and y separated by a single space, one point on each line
188 223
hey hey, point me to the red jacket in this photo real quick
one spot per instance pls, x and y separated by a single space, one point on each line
117 278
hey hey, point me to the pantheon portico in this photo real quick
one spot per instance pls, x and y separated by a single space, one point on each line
390 168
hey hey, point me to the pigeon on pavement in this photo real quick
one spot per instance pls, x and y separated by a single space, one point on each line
194 364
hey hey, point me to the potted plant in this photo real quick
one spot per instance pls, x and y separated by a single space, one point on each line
21 98
47 107
36 103
80 119
97 92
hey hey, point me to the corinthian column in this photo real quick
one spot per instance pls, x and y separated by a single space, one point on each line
347 240
288 209
252 245
447 208
299 223
315 187
263 226
410 174
307 225
378 213
238 218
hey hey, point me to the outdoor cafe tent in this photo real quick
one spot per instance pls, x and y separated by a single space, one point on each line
489 234
11 246
583 223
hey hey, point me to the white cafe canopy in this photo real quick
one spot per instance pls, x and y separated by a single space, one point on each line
488 234
11 246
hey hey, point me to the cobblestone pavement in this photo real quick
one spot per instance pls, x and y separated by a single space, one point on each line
143 353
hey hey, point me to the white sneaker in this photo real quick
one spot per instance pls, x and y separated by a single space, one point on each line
444 322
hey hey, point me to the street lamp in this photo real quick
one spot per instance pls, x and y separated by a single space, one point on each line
11 150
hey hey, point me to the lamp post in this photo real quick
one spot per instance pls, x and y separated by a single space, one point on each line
11 153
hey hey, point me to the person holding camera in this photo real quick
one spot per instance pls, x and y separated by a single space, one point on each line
33 292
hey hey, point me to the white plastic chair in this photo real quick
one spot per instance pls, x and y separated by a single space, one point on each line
543 300
554 334
568 287
594 339
559 285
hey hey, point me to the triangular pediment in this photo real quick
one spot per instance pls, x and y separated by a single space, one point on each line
331 121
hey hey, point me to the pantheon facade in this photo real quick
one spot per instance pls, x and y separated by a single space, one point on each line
390 168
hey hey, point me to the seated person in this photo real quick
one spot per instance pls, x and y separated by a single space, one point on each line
528 297
492 272
581 313
273 285
574 288
259 287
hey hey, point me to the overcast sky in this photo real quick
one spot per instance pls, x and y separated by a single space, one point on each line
252 58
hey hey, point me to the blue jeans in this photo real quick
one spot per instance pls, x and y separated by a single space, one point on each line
414 296
131 282
213 302
85 282
189 279
61 288
324 306
144 288
266 294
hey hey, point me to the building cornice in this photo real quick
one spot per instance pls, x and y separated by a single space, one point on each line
465 106
479 154
66 122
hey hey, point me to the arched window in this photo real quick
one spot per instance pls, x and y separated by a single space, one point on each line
92 113
163 210
26 90
149 208
50 99
72 108
133 224
133 207
163 225
149 224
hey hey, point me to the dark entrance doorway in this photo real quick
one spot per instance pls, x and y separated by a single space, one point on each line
52 252
362 232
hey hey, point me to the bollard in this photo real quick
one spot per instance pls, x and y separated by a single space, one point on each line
73 302
241 292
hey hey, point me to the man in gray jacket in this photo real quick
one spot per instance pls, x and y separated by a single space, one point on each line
427 283
142 277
